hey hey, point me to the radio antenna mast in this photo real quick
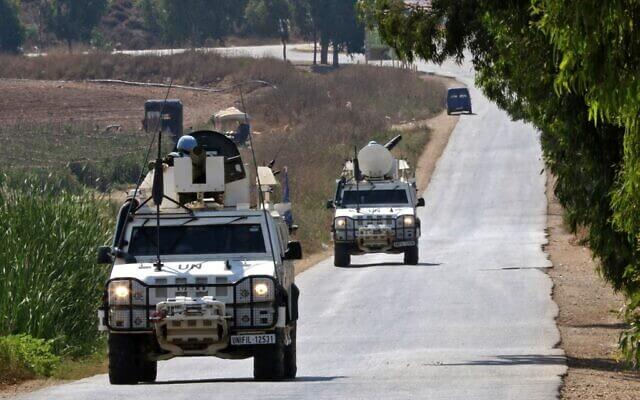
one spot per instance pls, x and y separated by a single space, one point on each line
157 192
255 165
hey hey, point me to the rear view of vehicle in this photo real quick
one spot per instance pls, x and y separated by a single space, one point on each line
375 207
458 101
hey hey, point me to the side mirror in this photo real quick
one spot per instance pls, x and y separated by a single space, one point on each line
420 202
331 205
104 255
294 251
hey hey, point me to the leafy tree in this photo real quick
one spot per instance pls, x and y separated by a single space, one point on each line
305 24
263 16
337 23
151 16
270 18
347 33
74 20
198 20
570 68
11 29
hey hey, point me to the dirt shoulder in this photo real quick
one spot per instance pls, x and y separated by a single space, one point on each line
588 320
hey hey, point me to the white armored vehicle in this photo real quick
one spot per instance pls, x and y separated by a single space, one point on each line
204 272
375 206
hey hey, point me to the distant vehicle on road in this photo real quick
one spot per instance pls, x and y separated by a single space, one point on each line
458 101
375 207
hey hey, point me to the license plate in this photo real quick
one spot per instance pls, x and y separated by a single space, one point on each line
404 244
245 340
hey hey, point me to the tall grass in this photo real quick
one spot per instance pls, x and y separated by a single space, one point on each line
50 286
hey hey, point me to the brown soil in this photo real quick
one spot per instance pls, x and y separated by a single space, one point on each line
588 319
56 101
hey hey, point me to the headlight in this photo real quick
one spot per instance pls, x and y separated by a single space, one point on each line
341 223
122 291
255 290
409 221
127 304
119 292
261 289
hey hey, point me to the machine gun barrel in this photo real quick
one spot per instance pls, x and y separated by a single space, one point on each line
393 142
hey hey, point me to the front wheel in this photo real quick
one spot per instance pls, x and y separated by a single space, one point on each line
290 366
148 371
268 363
411 255
341 256
123 360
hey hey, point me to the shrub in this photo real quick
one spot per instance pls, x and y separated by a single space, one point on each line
23 356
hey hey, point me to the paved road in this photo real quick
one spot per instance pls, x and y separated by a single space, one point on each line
474 320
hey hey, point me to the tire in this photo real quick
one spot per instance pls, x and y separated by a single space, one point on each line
290 366
411 255
341 256
148 371
124 360
268 362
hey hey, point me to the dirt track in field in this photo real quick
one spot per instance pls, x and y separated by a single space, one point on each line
103 104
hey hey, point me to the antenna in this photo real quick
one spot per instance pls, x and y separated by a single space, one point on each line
356 174
130 209
255 165
157 191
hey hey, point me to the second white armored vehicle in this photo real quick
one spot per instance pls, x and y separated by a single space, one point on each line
204 272
375 207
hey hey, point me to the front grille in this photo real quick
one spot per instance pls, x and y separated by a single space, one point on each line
248 312
365 220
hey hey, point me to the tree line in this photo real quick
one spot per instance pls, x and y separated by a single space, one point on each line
330 24
572 68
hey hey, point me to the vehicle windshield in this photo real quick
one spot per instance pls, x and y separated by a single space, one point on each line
198 239
377 197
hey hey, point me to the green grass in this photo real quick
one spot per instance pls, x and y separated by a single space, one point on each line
50 285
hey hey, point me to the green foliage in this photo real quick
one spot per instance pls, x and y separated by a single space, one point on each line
73 20
198 20
107 173
11 30
151 16
23 356
50 285
336 23
571 69
263 16
303 19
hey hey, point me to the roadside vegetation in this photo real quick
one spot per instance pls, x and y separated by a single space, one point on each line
571 68
37 25
54 207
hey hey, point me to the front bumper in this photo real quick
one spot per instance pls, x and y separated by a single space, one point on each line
364 237
195 322
186 326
